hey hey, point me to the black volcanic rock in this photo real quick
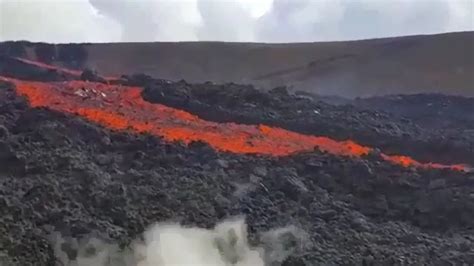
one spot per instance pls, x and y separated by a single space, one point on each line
91 75
363 123
15 49
12 67
429 110
60 173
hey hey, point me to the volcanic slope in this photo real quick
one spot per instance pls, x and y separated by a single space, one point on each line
428 110
64 171
440 63
391 133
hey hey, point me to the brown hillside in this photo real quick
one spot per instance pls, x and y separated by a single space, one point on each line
442 63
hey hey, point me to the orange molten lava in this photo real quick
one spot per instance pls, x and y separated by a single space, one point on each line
123 108
75 73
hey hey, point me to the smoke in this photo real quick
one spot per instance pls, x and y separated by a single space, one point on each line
229 20
152 20
225 20
327 20
174 245
301 20
55 21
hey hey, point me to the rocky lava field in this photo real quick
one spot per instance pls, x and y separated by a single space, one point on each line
359 183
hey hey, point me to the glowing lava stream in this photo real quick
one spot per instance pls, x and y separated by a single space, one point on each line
123 108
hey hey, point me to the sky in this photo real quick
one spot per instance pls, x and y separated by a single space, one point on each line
65 21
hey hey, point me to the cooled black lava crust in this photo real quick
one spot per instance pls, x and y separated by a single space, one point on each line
361 121
61 173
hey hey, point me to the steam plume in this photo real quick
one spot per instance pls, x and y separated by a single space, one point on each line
230 20
175 245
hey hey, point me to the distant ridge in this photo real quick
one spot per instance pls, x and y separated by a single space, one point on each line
441 63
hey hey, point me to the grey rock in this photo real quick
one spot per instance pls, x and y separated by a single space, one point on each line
359 224
437 183
4 133
260 171
328 214
222 163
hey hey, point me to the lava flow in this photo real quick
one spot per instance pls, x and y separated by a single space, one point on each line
75 73
123 108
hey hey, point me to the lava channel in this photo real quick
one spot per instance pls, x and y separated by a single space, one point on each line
123 108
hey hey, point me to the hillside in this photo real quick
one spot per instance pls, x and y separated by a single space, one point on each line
94 168
442 63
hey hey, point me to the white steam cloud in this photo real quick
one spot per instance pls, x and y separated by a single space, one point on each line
228 20
175 245
55 21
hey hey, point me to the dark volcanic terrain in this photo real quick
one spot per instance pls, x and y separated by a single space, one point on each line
79 175
441 63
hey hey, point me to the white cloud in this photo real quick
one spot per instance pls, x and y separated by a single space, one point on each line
225 20
462 18
301 20
256 8
54 21
228 20
322 20
153 20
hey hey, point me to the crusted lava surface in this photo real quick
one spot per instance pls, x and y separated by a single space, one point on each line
367 124
429 110
83 167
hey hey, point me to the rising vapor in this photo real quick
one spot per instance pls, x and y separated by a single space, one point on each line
176 245
230 20
55 21
142 21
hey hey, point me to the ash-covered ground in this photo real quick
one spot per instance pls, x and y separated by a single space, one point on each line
61 174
